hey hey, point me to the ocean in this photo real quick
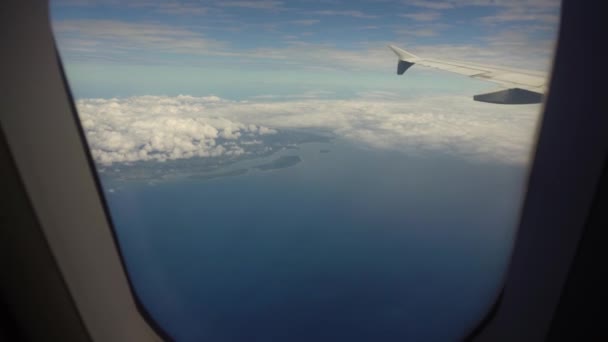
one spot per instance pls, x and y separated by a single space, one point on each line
342 243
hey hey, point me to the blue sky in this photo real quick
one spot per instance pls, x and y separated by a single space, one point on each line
158 47
285 65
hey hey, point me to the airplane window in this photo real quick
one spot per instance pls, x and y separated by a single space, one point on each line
311 171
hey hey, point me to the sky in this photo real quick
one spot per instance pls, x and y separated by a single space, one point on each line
167 80
236 48
163 80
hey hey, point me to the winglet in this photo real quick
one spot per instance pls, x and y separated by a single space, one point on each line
406 59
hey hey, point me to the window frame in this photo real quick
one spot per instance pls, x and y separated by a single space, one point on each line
57 172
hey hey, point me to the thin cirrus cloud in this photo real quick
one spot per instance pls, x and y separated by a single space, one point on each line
435 5
418 32
521 15
181 9
506 11
113 40
166 128
346 13
304 22
118 36
219 30
449 4
259 4
422 16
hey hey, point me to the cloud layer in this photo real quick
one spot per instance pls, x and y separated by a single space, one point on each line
165 128
161 128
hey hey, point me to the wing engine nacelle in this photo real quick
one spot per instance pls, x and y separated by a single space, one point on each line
511 96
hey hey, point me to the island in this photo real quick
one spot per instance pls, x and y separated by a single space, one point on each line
280 163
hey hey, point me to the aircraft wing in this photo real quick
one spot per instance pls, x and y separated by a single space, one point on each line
523 86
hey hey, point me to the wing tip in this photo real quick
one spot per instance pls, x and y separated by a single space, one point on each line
402 54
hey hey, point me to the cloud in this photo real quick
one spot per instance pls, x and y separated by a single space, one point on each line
159 6
122 41
422 16
117 37
346 13
379 94
418 32
304 22
258 4
164 128
436 5
127 42
521 14
181 8
449 4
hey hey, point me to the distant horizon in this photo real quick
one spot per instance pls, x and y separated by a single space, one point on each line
146 127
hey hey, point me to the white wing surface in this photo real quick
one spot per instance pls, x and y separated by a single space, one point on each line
523 86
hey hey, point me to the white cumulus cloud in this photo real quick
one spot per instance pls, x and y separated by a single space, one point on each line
163 128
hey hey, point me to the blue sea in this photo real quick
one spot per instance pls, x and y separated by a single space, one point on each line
350 244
